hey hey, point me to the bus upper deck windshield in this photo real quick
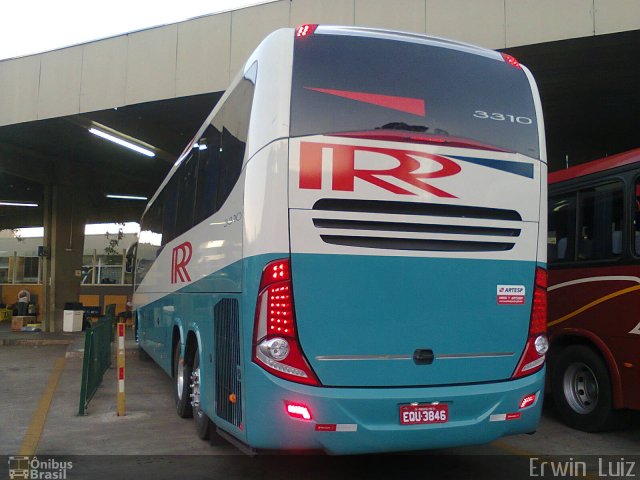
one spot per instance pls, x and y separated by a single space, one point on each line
339 86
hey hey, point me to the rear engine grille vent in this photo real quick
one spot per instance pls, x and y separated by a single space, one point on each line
410 208
227 366
350 231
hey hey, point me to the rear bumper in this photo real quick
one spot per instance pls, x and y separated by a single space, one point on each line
366 420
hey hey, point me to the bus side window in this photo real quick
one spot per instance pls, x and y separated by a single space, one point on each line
169 209
149 241
562 228
616 241
235 118
209 151
601 222
186 186
636 222
221 151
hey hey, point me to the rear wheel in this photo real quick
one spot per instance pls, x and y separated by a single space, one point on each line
203 424
182 390
582 391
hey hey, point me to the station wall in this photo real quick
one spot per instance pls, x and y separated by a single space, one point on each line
201 55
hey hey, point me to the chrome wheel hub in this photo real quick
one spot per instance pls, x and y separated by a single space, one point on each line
580 388
195 389
180 377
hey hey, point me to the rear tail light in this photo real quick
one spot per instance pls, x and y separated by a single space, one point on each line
276 347
533 356
511 60
306 30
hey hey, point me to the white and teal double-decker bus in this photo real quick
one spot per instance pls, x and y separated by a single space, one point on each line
350 255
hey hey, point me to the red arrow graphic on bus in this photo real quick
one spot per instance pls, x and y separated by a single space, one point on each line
403 104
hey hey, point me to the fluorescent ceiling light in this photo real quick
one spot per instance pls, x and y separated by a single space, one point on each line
124 143
17 204
125 197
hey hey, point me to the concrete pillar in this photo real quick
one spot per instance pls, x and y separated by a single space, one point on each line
68 218
46 259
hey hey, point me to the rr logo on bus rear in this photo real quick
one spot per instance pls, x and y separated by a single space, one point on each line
180 257
344 171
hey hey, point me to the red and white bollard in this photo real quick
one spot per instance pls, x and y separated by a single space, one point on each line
120 366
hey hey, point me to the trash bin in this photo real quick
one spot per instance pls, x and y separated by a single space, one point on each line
72 321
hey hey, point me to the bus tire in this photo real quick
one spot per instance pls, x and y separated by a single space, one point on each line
201 420
581 387
182 390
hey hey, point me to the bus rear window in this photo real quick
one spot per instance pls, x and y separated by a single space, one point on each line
352 84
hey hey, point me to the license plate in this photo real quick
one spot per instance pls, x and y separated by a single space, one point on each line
423 414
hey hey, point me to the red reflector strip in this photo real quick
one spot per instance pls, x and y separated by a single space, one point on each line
325 427
121 373
336 427
501 417
402 104
121 329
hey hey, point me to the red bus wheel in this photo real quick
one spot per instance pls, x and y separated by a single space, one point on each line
581 387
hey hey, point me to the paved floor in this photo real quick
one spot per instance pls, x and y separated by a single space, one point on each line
151 441
24 371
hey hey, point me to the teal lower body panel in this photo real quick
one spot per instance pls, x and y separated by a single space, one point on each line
367 420
354 311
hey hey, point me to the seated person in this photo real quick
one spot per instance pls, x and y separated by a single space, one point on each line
23 302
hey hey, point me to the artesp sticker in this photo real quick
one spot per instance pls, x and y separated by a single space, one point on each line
510 294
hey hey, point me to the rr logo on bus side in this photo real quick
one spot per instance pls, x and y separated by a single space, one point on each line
344 171
180 257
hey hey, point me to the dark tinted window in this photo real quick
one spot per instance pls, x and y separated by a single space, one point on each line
636 217
587 226
231 156
169 210
600 225
208 153
31 267
202 182
186 185
235 127
220 163
463 95
561 239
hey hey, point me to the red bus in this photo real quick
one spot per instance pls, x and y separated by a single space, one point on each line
594 290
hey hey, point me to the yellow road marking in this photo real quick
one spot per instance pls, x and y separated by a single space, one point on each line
34 432
593 304
513 450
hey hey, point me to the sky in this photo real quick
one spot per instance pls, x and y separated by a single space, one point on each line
34 26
